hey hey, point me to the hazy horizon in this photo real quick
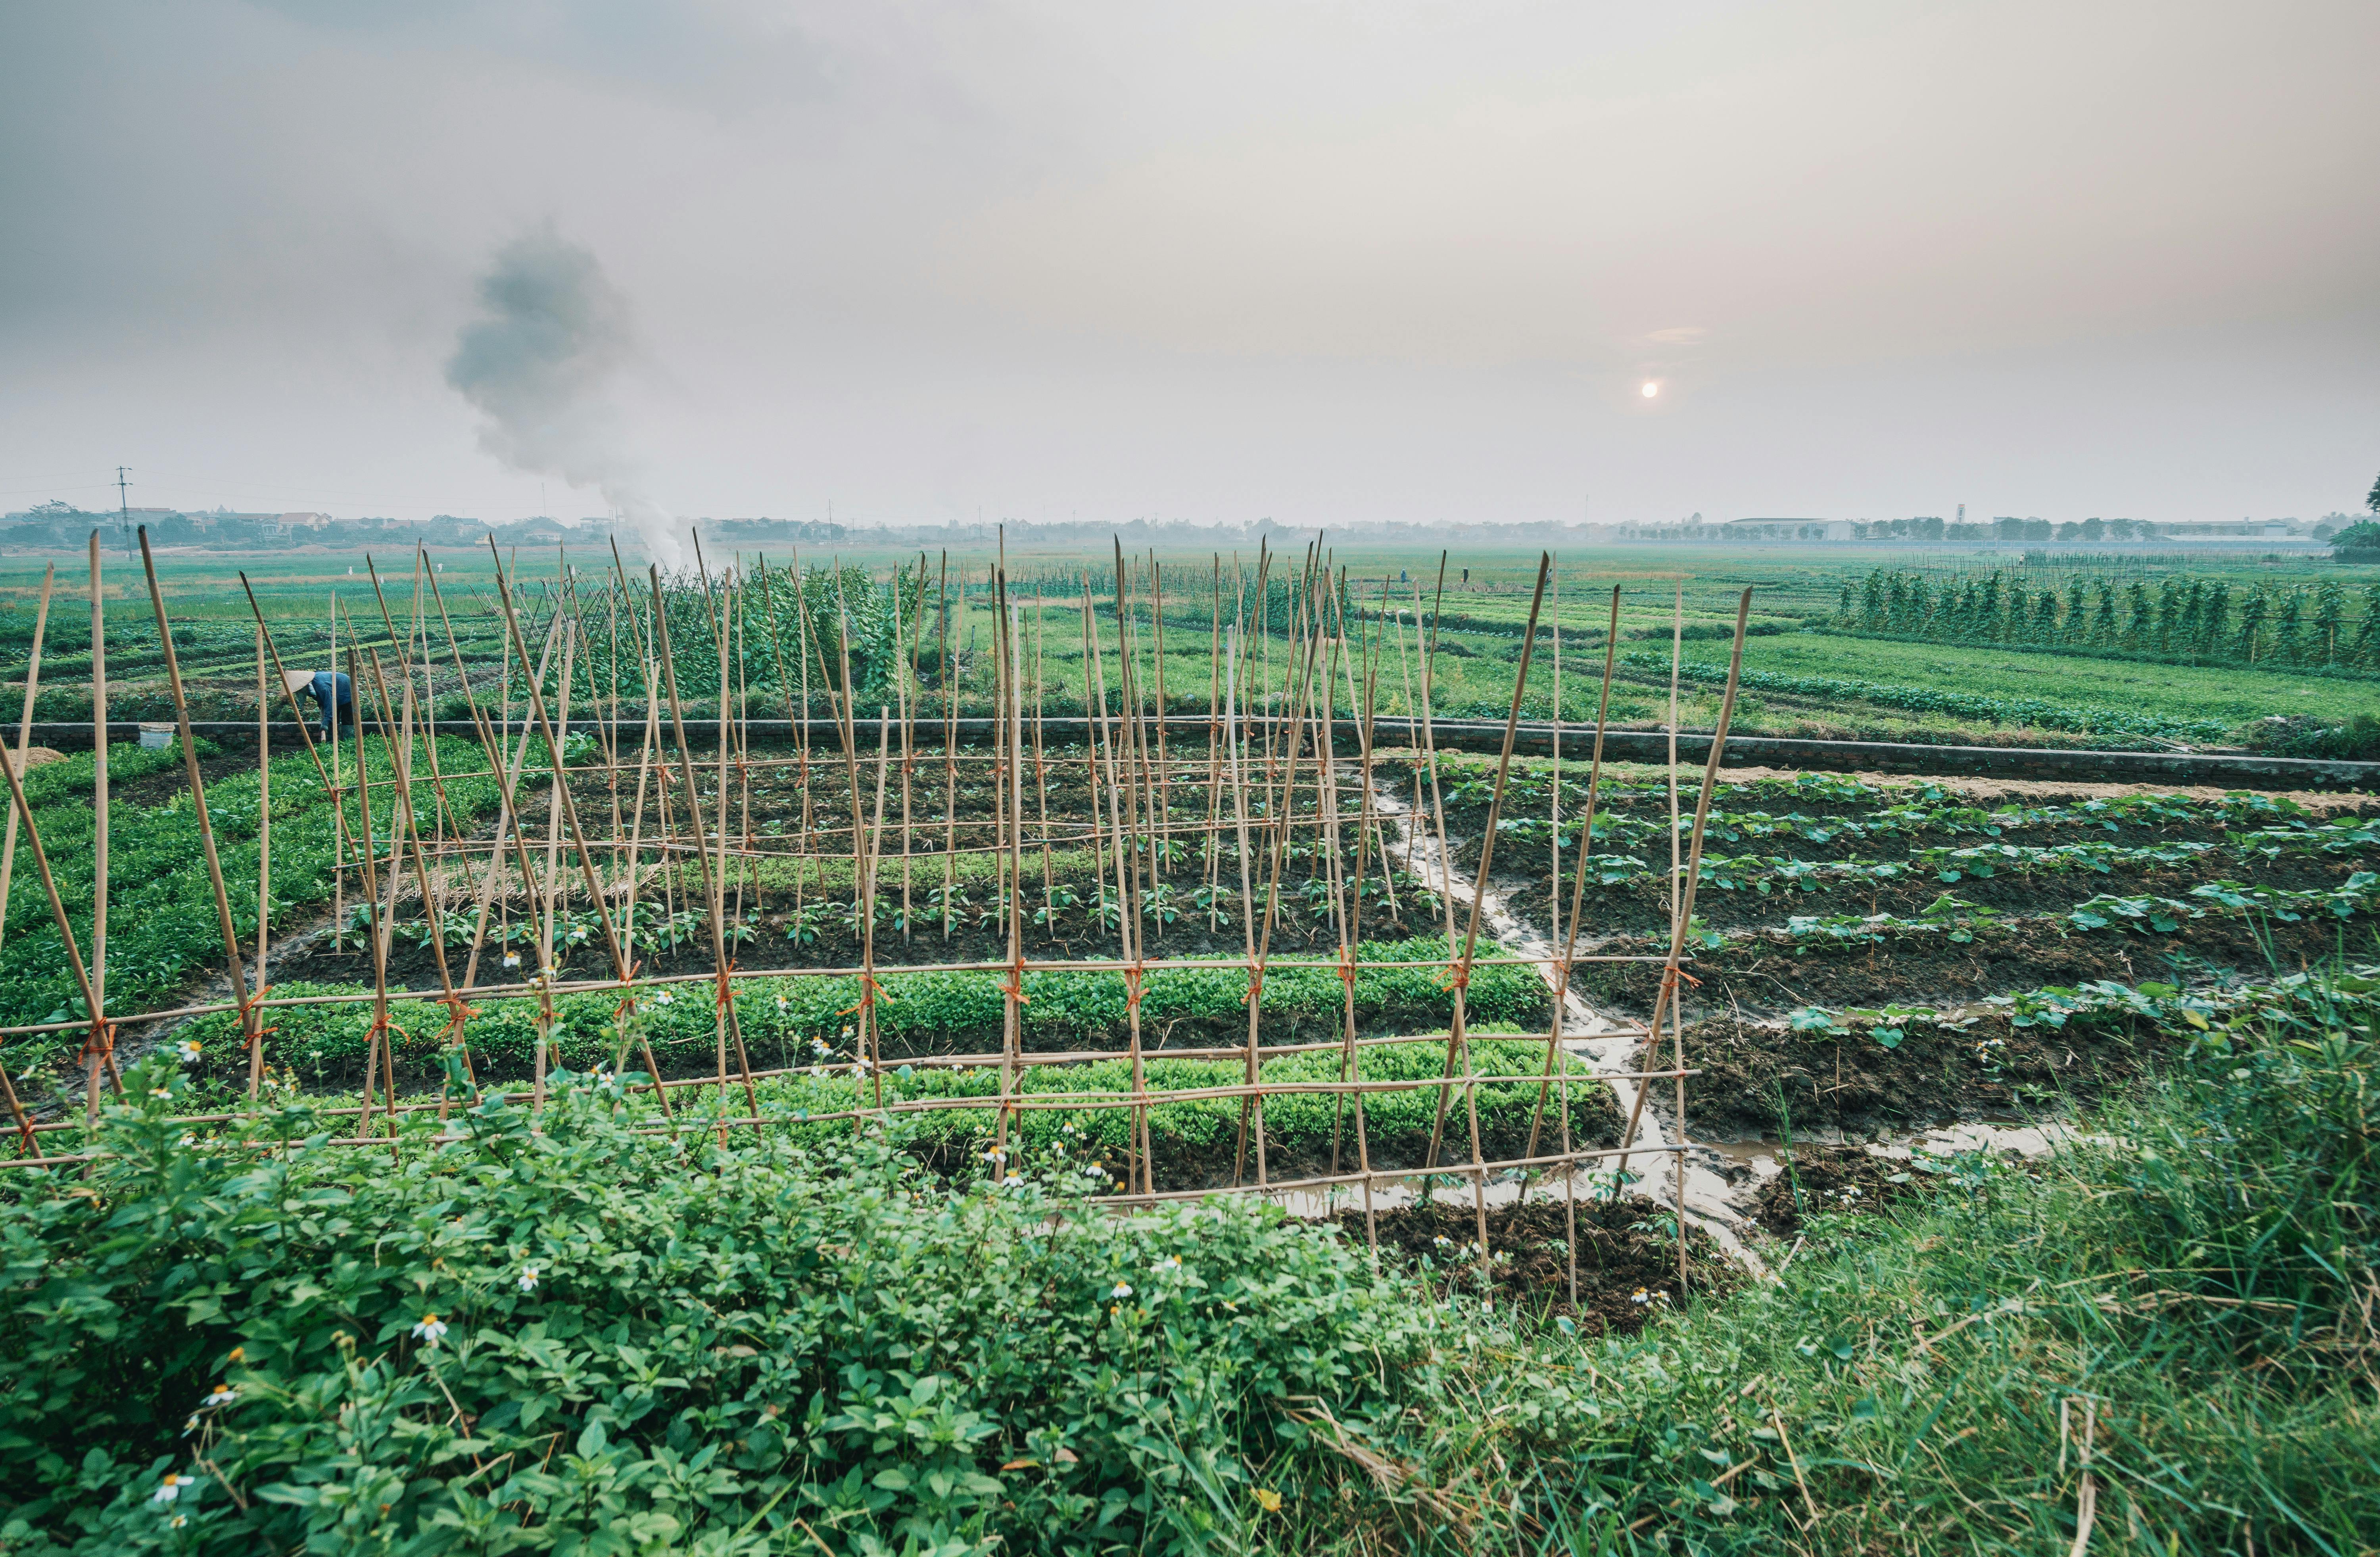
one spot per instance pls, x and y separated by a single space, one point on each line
1328 265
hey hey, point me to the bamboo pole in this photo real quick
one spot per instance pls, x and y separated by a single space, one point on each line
8 852
1667 997
25 744
950 746
726 1005
99 785
99 1047
1457 1038
263 855
236 965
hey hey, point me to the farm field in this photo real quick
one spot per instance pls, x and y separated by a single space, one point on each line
853 1139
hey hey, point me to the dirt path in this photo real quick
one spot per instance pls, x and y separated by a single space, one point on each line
1610 1045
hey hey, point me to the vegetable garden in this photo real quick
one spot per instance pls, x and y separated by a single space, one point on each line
784 906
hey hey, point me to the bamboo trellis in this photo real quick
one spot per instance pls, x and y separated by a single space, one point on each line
1268 770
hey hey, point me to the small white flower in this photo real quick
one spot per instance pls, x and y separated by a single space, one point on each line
1122 1289
1095 1171
189 1050
783 1003
663 997
189 1426
170 1488
529 1277
511 959
189 1140
429 1330
1443 1242
995 1155
1171 1262
179 1521
159 1092
1012 1181
1640 1295
223 1395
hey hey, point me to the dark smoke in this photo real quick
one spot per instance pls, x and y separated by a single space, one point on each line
539 365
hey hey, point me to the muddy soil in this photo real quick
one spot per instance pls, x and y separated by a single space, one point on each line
1761 1079
1773 973
1642 908
1293 935
1617 1258
1830 1178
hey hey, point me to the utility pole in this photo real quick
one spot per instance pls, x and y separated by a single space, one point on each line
123 510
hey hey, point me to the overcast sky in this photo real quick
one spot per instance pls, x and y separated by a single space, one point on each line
1325 263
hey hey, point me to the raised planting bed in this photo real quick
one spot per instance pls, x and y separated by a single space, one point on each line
1196 1143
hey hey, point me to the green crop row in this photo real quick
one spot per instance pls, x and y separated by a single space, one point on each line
2033 712
789 1020
814 1106
1618 830
2192 621
2055 1006
1957 918
1894 814
162 925
1764 874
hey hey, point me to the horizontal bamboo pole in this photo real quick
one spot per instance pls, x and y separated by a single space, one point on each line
2224 768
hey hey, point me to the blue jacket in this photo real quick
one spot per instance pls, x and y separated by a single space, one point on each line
324 686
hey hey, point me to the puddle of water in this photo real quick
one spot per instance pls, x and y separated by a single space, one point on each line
1759 1155
1389 1195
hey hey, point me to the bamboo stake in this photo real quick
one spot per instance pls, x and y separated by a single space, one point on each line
8 852
25 743
378 1043
263 854
1667 999
99 1048
237 965
1456 1036
98 779
950 749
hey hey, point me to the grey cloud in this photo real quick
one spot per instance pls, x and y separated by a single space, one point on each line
1400 261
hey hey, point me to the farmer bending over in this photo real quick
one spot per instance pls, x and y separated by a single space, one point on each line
329 689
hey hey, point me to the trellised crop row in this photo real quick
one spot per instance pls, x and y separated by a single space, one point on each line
2198 620
788 1019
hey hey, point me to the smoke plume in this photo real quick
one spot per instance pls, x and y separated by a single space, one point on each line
538 365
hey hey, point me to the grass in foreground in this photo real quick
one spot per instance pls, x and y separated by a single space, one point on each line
582 1342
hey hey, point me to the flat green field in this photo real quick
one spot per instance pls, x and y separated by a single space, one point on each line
2175 691
1926 692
